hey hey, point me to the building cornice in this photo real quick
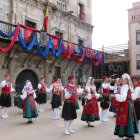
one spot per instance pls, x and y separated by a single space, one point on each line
72 16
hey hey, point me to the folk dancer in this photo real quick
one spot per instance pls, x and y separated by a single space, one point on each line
91 110
29 105
42 95
125 119
56 88
114 103
70 102
136 97
106 87
5 98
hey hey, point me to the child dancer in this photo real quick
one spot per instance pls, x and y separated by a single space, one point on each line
42 96
114 103
57 90
5 98
105 100
70 102
136 97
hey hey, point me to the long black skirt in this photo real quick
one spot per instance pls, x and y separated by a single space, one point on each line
41 98
56 101
69 111
105 102
5 100
137 109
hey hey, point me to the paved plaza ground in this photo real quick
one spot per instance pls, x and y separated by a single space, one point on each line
43 128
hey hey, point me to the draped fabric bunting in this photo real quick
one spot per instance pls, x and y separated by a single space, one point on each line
23 44
67 51
59 51
55 44
44 52
5 35
79 59
12 41
27 34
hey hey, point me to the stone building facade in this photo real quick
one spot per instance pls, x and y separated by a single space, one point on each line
134 38
70 19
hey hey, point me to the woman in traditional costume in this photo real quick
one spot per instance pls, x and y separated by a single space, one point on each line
28 99
91 109
125 120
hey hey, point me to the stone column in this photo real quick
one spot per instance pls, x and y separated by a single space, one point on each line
11 71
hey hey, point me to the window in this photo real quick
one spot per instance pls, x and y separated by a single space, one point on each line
138 64
80 42
30 24
81 11
57 72
62 4
138 38
59 34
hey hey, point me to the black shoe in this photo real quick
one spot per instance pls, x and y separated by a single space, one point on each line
89 125
29 122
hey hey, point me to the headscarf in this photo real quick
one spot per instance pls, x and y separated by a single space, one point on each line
125 76
88 85
28 87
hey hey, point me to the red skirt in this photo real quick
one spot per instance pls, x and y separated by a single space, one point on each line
91 106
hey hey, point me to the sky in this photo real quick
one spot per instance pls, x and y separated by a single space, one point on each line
110 21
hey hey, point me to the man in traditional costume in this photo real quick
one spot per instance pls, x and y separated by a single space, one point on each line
29 105
125 120
106 87
42 95
57 89
91 110
70 102
5 98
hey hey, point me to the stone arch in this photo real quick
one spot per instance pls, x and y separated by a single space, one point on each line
26 74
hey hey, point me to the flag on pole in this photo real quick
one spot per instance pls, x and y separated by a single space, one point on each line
45 22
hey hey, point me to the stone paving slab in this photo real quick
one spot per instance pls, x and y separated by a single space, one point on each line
43 128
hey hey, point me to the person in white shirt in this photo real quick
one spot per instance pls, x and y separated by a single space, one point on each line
136 98
114 103
90 109
57 89
28 100
42 94
106 87
125 120
69 108
5 98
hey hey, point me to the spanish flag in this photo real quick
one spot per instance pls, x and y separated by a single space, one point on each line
45 23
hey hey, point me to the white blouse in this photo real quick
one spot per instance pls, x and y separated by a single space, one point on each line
3 83
136 93
67 94
25 93
107 85
121 97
